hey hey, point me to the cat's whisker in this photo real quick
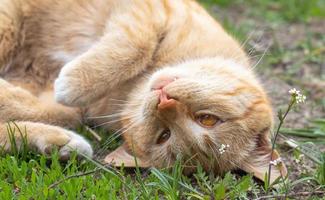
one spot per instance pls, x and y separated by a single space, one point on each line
256 56
253 48
191 158
119 100
108 122
115 121
105 146
136 122
123 105
147 75
112 121
264 53
217 154
214 151
234 56
248 38
234 164
163 156
120 132
118 114
106 116
116 134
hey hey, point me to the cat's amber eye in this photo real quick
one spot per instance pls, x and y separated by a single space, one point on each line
207 120
164 136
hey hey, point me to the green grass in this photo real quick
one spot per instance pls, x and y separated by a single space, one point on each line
46 178
275 10
26 175
40 177
310 141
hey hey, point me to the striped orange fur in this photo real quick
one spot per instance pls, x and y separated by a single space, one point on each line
63 63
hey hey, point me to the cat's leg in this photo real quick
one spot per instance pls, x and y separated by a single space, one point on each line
19 104
123 52
32 117
42 138
11 36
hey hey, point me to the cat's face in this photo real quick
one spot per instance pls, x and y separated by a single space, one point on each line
211 111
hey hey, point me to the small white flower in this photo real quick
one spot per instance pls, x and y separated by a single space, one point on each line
294 91
276 161
223 148
299 98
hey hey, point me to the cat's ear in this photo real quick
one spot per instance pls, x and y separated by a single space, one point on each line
259 162
122 157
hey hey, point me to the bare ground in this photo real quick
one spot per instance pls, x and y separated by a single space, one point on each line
287 64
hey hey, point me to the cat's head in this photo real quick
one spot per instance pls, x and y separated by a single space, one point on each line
210 111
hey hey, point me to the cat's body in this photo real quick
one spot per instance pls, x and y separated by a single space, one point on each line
108 51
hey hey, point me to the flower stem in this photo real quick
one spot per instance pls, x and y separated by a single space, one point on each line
281 118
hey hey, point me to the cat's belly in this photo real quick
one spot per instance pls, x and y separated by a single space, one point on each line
53 36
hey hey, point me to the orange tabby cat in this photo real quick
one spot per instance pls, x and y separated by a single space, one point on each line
185 85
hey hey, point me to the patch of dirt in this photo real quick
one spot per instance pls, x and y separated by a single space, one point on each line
290 69
278 91
279 77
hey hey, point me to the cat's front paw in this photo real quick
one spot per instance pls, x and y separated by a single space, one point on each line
68 87
66 142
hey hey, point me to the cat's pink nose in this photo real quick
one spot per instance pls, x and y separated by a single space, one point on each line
165 102
162 81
